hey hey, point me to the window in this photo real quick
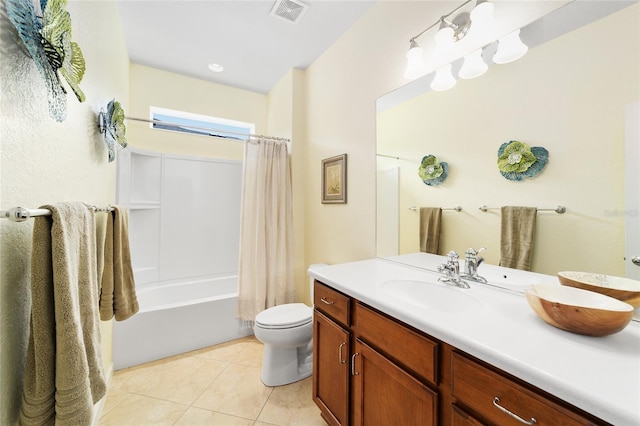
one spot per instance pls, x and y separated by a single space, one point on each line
179 121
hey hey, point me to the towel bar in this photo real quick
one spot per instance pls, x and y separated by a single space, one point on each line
558 209
456 208
20 214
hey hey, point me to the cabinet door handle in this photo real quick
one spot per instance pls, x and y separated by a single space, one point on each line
496 401
326 302
353 364
342 360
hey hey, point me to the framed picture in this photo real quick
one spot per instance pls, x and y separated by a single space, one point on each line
334 180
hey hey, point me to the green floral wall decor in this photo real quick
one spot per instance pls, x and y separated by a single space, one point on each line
431 171
111 124
517 160
45 31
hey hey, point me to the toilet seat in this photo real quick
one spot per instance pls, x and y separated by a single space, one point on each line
289 315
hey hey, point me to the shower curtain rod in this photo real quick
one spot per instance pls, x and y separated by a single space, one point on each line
227 132
20 214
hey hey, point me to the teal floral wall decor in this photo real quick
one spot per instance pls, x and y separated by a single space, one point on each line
517 160
431 171
111 124
45 31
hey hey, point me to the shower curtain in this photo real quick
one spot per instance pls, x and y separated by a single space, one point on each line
265 273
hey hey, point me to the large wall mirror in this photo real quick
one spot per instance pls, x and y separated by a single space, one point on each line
572 94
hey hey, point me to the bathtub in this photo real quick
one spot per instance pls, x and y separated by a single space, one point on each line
178 317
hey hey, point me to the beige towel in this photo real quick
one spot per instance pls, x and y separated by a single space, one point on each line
430 218
118 292
517 234
63 375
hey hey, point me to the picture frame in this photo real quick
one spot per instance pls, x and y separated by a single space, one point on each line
334 180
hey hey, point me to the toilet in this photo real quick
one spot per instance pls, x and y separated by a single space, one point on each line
287 333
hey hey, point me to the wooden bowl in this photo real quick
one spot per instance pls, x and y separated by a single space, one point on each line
579 311
624 289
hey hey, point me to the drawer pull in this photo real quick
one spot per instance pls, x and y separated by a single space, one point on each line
353 364
496 400
326 302
342 360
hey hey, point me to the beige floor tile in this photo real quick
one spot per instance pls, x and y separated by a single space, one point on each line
200 417
139 410
179 380
224 352
251 354
292 405
238 391
114 397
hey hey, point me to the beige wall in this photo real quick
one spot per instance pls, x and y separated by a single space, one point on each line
341 89
276 114
368 61
44 161
567 96
154 87
286 105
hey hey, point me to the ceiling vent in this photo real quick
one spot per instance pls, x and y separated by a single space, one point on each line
290 10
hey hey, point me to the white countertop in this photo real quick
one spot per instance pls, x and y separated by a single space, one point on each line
600 375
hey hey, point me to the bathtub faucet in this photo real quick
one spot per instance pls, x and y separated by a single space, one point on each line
451 271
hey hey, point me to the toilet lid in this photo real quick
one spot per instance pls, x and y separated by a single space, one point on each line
285 316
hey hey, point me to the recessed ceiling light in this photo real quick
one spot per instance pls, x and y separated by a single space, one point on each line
216 67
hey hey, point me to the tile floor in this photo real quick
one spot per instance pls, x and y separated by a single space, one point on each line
218 385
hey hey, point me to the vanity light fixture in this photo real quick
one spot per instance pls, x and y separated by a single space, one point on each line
452 29
483 12
473 65
510 48
443 79
415 63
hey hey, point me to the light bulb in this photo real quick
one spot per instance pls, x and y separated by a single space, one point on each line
473 66
483 12
443 79
415 63
444 36
510 48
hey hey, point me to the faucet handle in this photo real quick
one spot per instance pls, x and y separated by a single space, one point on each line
453 256
473 252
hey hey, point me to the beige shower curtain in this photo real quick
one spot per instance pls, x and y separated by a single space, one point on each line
265 276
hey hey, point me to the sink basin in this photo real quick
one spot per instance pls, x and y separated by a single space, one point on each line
431 296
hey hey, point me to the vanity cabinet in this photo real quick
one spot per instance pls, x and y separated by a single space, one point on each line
496 398
331 352
371 369
355 380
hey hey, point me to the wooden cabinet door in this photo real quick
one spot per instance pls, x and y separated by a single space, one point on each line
386 395
331 350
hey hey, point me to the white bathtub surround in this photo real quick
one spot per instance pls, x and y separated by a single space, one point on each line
265 276
178 317
184 228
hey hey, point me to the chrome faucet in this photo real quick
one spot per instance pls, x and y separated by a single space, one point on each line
451 270
471 263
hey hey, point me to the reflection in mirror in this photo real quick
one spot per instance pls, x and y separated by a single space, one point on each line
568 95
